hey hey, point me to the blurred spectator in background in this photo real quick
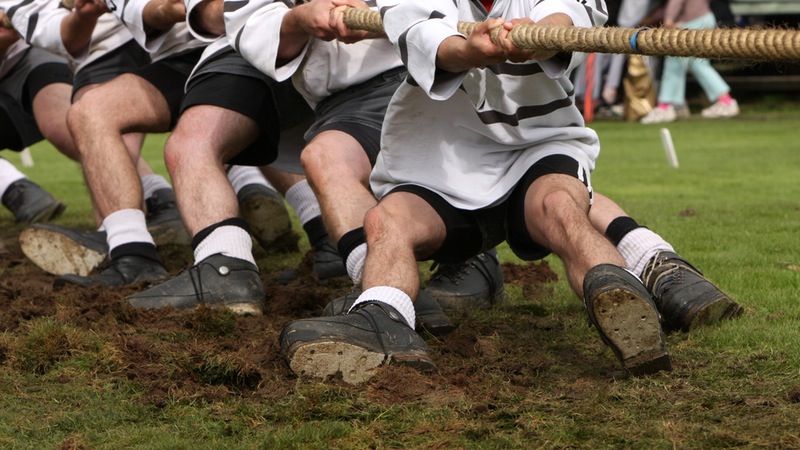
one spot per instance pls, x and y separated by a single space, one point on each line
690 14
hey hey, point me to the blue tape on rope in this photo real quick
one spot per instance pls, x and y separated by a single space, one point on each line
634 45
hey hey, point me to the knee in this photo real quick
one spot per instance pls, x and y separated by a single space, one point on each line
178 151
380 224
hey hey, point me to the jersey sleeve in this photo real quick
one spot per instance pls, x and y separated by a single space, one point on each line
253 28
416 29
130 13
197 32
39 23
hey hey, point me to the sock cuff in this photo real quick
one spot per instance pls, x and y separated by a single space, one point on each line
619 228
143 249
393 297
350 241
205 232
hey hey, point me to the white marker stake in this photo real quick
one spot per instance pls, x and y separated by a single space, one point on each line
26 157
669 147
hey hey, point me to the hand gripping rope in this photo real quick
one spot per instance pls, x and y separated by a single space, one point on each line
770 44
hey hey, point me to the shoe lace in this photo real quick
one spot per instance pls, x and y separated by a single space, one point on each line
451 272
359 309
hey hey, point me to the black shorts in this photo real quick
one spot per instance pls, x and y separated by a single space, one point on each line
123 59
473 232
169 76
18 129
359 111
272 105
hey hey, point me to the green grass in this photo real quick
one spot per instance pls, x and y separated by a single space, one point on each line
732 208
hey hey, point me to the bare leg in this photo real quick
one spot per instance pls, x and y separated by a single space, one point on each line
206 136
98 121
280 179
556 215
50 107
338 171
400 230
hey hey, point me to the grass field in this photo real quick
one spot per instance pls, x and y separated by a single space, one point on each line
528 373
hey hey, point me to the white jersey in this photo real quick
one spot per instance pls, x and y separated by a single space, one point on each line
471 136
321 69
176 40
39 23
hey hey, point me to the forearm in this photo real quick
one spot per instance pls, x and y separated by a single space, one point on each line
160 15
207 17
76 32
293 36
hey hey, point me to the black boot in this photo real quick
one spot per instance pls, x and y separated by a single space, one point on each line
164 219
684 297
626 318
475 284
63 250
217 281
123 271
353 345
30 203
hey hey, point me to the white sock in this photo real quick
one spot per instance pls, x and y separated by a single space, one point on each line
152 183
393 297
355 263
241 176
302 199
126 226
639 246
8 175
228 240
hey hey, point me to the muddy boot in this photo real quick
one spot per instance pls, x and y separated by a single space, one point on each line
164 220
353 346
30 203
327 263
63 250
123 271
684 297
626 318
265 212
475 284
430 317
217 281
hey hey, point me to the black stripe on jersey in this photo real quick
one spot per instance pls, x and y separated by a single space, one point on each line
238 38
517 70
371 3
13 10
402 41
229 6
523 112
403 44
384 9
32 21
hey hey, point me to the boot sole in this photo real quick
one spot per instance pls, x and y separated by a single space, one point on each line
270 223
245 309
353 363
57 254
169 232
632 328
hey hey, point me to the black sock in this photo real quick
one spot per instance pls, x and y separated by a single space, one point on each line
143 249
350 241
619 228
316 232
202 234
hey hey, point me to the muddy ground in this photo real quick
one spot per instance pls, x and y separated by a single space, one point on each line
177 355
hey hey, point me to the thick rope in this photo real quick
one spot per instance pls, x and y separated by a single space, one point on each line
770 44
